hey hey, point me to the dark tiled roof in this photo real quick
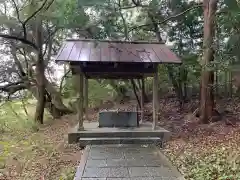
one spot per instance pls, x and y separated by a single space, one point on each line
87 50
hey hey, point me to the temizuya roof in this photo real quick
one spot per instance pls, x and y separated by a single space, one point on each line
90 50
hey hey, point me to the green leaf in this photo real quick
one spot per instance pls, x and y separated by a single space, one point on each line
233 5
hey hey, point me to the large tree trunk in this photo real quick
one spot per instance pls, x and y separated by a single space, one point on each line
53 101
207 78
39 114
56 98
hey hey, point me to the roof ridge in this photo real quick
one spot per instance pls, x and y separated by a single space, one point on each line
117 41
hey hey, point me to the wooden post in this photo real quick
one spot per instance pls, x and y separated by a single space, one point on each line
86 97
142 100
79 83
155 100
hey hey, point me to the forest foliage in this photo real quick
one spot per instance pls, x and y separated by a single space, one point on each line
32 32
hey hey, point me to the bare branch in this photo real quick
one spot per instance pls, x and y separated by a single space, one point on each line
35 13
136 2
131 7
49 5
23 40
14 87
51 34
61 83
169 18
16 60
17 11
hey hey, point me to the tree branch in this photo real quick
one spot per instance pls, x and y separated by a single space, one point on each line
62 79
51 34
17 11
136 2
14 87
23 40
34 14
167 19
16 60
37 11
49 5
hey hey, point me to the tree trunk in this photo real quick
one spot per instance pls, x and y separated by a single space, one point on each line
176 85
53 101
134 86
40 69
56 98
39 114
207 78
226 83
230 84
142 88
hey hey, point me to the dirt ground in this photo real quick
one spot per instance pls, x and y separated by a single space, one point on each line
50 157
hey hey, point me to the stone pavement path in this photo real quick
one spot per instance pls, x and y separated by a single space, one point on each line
125 162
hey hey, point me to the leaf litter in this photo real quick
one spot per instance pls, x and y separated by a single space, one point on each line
200 152
41 155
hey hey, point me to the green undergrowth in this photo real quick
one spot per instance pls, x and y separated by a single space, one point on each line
97 93
222 162
68 174
23 146
18 115
18 137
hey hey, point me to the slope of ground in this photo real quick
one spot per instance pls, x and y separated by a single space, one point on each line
41 155
203 152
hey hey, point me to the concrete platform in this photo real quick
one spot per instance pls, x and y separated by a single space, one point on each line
125 162
136 135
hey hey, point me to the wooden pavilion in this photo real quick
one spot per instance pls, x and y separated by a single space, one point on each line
98 59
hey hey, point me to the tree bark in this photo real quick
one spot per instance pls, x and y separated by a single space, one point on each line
134 86
53 101
230 85
142 88
56 98
207 78
39 114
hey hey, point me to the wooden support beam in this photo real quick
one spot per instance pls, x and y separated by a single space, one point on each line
80 99
142 100
86 97
155 100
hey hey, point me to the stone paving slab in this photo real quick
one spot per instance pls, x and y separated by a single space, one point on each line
125 162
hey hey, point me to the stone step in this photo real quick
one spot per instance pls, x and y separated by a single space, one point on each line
121 134
120 140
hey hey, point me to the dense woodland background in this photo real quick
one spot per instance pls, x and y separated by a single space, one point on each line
206 86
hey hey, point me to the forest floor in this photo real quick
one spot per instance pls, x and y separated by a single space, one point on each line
42 155
203 151
199 151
